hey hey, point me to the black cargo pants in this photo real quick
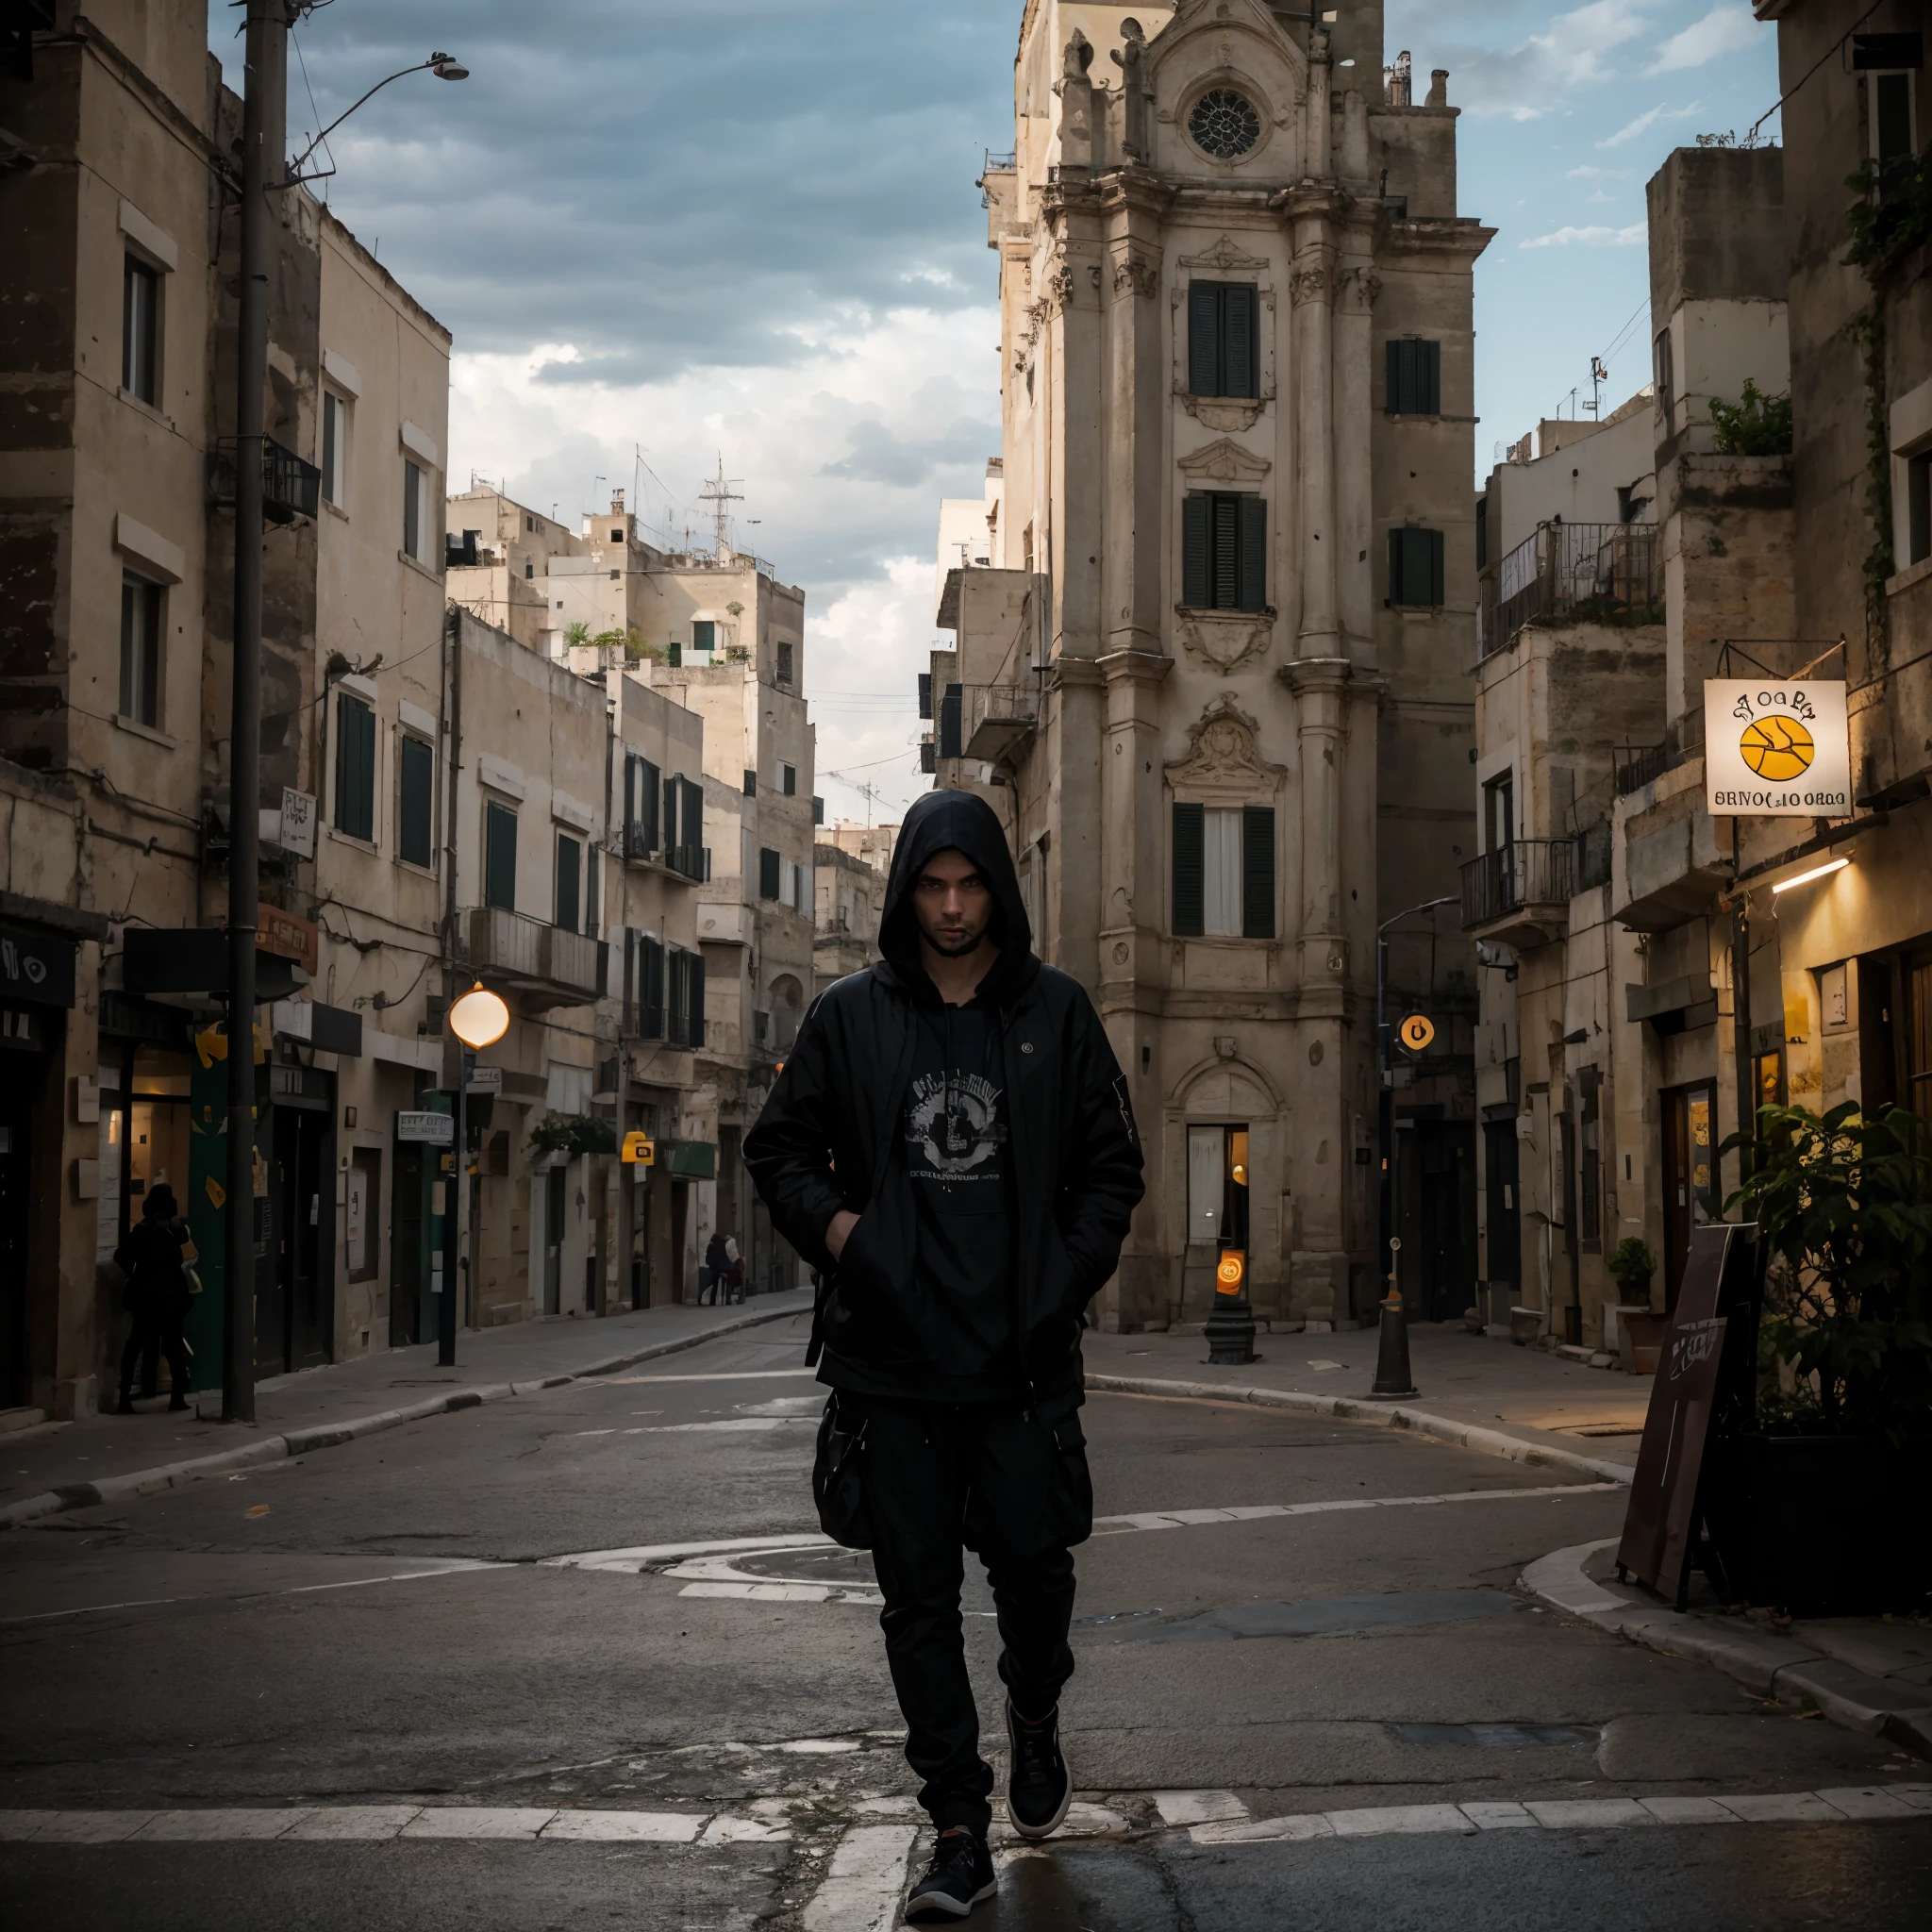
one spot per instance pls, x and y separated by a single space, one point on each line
1010 1484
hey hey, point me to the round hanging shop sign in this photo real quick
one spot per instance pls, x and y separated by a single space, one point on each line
1416 1032
1775 749
1229 1272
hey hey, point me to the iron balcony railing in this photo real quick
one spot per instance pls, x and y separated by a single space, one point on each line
1638 765
1527 872
290 487
1577 571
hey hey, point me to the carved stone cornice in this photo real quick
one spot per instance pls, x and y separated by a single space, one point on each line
1228 257
1225 639
1074 674
1142 667
1137 275
1313 675
1223 413
1133 187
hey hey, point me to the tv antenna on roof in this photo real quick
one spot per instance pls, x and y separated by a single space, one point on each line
721 495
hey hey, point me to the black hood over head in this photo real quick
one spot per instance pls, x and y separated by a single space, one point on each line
955 822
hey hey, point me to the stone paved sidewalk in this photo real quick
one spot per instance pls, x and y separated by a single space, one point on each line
1545 1400
106 1447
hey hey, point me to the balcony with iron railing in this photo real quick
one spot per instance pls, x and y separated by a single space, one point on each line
688 862
1573 574
1638 765
1520 893
290 487
544 965
999 719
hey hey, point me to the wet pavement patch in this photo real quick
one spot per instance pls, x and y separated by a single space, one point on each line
1333 1616
1501 1737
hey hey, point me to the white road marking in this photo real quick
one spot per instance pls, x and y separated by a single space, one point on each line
1186 1519
864 1881
382 1824
1197 1808
647 1555
722 1376
733 1422
866 1871
450 1566
1861 1803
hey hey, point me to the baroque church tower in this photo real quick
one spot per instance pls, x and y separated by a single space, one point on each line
1212 659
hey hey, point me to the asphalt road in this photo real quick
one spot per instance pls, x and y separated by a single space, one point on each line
234 1644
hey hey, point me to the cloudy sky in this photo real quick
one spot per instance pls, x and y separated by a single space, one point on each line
667 231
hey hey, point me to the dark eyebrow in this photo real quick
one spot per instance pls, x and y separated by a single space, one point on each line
932 878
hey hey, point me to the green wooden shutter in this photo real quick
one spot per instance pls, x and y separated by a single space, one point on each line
1254 553
1239 356
1395 566
1393 369
1257 872
355 767
696 984
1430 379
499 855
651 1000
649 781
1197 584
690 825
950 742
1415 566
1204 338
1414 377
670 804
570 861
768 873
416 796
1189 868
1435 538
925 694
1227 522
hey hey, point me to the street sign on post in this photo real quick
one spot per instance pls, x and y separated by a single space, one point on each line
436 1129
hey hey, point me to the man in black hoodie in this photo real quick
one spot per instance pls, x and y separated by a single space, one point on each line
951 1145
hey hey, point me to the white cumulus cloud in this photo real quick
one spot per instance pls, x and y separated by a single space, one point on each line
1590 238
1726 28
1647 120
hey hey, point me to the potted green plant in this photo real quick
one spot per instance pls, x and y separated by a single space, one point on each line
1639 1333
1805 1508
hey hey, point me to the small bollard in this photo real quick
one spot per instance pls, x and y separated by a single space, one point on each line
1393 1378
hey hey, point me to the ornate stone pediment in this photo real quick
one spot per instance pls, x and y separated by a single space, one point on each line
1228 463
1227 258
1223 763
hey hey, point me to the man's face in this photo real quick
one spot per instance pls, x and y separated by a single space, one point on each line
953 903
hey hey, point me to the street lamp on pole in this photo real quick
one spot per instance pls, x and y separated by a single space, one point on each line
1391 1372
264 140
444 67
479 1019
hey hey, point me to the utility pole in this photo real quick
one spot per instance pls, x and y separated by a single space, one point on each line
264 137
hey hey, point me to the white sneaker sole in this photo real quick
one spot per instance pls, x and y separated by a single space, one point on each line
952 1907
1036 1832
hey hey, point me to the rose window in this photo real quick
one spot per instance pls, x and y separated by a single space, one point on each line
1224 124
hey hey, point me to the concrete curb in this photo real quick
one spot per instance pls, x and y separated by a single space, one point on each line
146 1482
1771 1665
1384 1415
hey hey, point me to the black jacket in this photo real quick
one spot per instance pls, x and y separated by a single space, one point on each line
150 1257
830 1133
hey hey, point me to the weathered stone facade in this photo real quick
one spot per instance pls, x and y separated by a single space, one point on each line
1227 742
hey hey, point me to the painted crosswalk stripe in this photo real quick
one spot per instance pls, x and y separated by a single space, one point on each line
385 1824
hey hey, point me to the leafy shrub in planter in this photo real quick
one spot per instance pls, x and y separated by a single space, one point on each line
1632 1261
574 1134
1846 1201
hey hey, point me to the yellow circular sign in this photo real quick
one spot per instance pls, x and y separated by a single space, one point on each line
1416 1032
1778 748
1228 1273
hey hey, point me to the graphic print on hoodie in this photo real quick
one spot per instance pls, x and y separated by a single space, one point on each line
955 1142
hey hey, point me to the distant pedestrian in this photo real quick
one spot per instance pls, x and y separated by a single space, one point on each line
152 1258
734 1270
951 1145
712 1275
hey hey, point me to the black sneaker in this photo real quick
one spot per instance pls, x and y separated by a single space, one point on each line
958 1878
1038 1785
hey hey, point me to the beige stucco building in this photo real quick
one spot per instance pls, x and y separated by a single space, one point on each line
1214 675
852 864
